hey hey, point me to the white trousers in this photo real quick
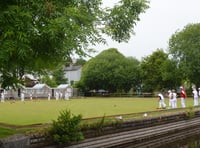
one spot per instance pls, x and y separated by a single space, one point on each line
162 104
196 101
183 102
170 102
174 103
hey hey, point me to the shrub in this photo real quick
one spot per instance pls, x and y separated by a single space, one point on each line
190 113
66 129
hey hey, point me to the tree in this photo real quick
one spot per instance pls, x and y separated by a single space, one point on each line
59 76
184 50
152 71
111 71
66 128
79 62
171 75
134 76
50 81
55 78
37 36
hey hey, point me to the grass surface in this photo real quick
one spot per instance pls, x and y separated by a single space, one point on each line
4 132
43 111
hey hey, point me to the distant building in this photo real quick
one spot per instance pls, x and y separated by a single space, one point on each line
64 88
38 91
29 80
73 73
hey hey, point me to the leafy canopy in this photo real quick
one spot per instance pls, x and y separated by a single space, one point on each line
37 36
184 49
111 71
152 71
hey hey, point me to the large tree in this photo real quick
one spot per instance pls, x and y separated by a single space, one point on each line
153 76
171 75
39 35
111 71
184 48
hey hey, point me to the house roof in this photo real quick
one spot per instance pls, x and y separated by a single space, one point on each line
40 86
62 86
29 76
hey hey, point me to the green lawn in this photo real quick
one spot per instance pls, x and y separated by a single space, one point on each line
4 132
43 111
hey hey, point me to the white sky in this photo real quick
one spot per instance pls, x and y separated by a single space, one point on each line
156 26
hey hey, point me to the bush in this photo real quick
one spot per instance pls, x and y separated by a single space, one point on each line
66 129
190 113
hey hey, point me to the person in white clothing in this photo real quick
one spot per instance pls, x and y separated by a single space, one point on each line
174 99
170 98
66 96
161 101
57 95
49 96
2 97
195 96
31 96
22 97
60 95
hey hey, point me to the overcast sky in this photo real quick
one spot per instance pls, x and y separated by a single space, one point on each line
156 26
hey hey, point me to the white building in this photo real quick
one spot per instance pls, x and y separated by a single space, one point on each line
64 88
73 73
38 91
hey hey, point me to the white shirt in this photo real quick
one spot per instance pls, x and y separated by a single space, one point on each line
161 96
195 93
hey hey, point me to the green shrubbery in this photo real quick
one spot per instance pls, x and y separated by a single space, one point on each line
66 129
190 113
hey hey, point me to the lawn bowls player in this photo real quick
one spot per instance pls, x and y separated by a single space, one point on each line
195 96
161 101
183 97
174 99
170 96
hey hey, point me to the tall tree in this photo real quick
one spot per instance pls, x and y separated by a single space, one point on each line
171 75
59 76
80 62
50 81
39 35
184 48
110 70
151 67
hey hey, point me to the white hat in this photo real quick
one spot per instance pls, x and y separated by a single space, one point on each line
181 87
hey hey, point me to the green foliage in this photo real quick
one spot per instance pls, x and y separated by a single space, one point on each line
184 50
111 71
121 20
99 125
190 113
49 81
79 62
66 128
59 76
152 69
36 36
5 132
171 75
